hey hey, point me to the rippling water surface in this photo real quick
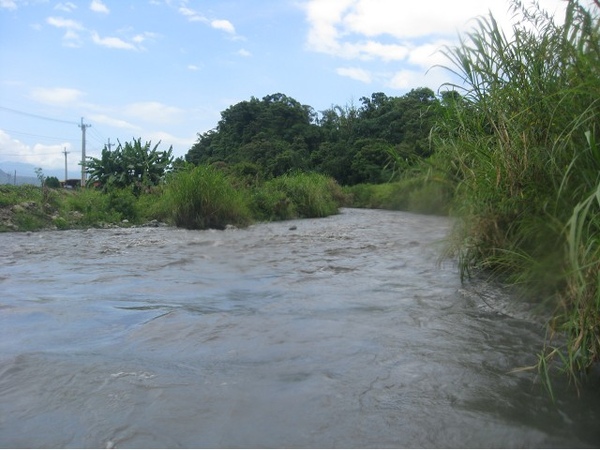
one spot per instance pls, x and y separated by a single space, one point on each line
336 332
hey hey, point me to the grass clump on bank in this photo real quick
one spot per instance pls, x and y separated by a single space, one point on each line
299 195
204 197
521 147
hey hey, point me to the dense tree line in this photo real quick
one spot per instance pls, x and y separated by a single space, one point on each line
277 134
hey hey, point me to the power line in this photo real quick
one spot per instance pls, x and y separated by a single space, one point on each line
27 154
97 136
37 116
38 135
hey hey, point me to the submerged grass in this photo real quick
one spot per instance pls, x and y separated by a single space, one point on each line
520 148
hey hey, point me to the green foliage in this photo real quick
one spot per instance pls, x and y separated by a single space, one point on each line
13 195
276 133
299 195
90 207
415 194
352 145
154 205
204 197
132 165
194 197
60 223
270 203
371 162
29 220
520 148
123 202
52 182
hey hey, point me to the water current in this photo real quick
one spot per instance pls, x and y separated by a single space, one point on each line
336 332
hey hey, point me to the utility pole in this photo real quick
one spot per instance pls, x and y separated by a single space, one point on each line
83 127
109 145
65 153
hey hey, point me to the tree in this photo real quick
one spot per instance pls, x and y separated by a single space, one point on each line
131 165
52 182
351 144
261 132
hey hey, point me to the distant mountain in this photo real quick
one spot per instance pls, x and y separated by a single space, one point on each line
26 173
10 178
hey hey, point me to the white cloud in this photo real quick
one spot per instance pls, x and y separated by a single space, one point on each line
167 139
355 73
99 7
373 50
392 31
193 67
8 4
154 112
393 43
243 52
192 15
405 79
59 22
429 54
40 155
217 24
140 38
425 18
386 29
71 38
112 122
324 20
224 25
112 42
66 7
56 96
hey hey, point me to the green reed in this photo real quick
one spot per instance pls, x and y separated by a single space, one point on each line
520 147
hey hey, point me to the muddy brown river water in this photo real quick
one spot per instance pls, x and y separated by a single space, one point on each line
335 332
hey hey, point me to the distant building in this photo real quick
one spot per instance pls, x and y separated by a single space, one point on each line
72 183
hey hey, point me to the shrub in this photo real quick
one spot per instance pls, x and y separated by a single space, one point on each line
299 195
204 197
52 182
124 203
89 207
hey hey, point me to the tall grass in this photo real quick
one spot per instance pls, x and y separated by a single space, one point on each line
520 147
298 195
204 197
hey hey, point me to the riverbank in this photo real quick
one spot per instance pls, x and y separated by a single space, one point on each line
196 199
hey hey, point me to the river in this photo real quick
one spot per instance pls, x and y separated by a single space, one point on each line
337 332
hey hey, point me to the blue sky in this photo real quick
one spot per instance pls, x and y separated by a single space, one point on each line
165 69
